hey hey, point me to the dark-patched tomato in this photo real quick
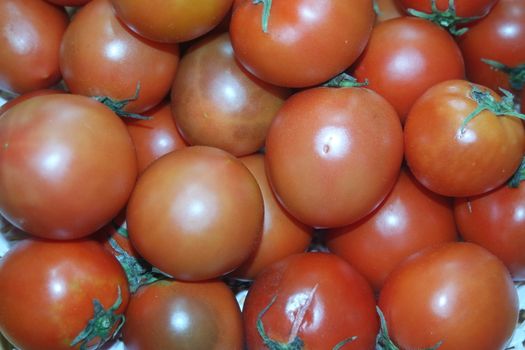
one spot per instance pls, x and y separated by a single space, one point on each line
463 8
306 43
216 102
183 315
316 298
333 154
99 56
454 156
411 218
32 31
196 213
406 56
48 290
458 294
67 165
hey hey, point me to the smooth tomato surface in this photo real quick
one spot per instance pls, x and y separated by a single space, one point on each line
464 8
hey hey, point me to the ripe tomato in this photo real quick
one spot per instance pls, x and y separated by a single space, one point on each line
69 2
464 8
387 9
26 96
316 297
406 56
409 219
99 56
31 34
333 154
67 165
195 213
48 289
183 315
307 41
456 159
457 293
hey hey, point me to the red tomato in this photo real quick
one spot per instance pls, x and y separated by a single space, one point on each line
333 154
456 159
463 8
387 9
196 213
409 219
99 56
316 297
307 41
227 108
67 166
69 2
183 315
31 34
26 96
47 291
457 293
406 56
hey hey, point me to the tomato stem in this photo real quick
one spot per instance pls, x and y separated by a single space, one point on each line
344 80
516 74
267 6
117 106
518 176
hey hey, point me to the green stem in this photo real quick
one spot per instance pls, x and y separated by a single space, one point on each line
121 229
344 80
117 106
518 176
516 74
267 6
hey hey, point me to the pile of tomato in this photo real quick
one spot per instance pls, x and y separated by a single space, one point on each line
257 174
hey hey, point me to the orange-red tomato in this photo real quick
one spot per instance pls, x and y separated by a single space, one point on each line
463 8
387 9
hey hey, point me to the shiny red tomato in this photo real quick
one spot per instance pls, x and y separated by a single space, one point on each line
458 294
463 8
31 35
333 154
48 290
456 157
16 100
406 56
67 166
409 219
307 42
99 56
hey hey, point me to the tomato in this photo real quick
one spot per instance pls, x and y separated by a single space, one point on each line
457 293
69 2
463 8
316 297
31 34
387 9
26 96
195 213
67 166
409 219
481 154
333 154
522 101
406 56
172 21
183 315
307 42
155 137
48 289
99 56
215 102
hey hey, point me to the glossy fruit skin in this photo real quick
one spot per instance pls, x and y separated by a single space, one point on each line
477 160
195 213
495 221
217 103
500 36
333 154
31 35
155 137
172 314
68 166
69 2
171 21
404 57
47 290
99 56
16 100
411 218
464 8
457 293
327 299
387 9
308 41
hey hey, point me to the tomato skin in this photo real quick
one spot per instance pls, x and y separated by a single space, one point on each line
99 56
457 293
26 96
31 34
333 154
207 313
69 2
464 8
404 57
478 160
378 243
387 9
68 166
47 290
308 41
336 300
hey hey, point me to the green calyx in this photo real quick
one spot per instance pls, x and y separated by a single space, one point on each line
117 106
516 74
518 176
267 6
344 80
104 325
447 19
